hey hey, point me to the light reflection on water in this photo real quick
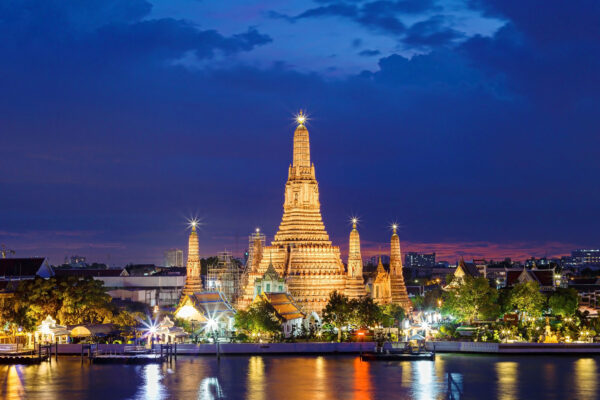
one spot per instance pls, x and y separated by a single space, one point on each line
152 388
586 379
507 380
300 378
256 378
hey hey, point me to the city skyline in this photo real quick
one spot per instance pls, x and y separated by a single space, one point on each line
468 123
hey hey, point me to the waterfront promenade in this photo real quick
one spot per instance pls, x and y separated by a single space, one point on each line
355 348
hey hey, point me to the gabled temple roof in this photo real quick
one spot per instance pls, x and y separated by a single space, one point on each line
469 268
284 305
545 277
212 304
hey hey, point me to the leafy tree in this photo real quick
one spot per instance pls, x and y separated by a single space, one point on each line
83 301
392 315
564 302
365 312
418 302
473 298
69 300
526 299
260 317
338 312
431 299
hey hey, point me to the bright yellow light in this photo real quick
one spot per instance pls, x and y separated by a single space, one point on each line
301 118
193 223
186 312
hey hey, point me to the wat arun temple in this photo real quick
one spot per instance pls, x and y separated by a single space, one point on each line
302 252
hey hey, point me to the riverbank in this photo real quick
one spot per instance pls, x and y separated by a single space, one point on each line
354 348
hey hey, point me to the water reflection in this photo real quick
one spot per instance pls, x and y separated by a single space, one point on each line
152 388
362 380
507 380
210 389
12 387
321 381
256 378
585 378
300 378
424 385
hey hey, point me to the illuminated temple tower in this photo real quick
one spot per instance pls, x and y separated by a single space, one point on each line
355 286
398 289
193 282
301 250
381 291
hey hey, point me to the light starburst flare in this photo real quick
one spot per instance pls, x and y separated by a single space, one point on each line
301 117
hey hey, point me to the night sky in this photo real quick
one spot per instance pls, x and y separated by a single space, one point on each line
473 124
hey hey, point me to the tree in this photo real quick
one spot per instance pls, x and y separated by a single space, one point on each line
69 300
338 312
431 299
365 312
526 299
392 315
83 301
418 302
564 302
259 318
473 298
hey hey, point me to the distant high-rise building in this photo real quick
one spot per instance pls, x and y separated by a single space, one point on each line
586 256
75 261
174 258
413 259
375 259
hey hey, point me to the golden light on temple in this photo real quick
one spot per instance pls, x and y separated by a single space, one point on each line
354 221
301 118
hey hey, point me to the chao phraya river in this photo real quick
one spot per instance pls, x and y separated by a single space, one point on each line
309 377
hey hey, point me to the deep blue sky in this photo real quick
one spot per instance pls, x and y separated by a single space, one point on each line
474 124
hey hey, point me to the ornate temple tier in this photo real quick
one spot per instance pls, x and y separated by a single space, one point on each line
355 286
301 250
193 282
399 295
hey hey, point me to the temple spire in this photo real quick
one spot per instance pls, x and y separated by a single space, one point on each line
193 283
398 288
301 143
395 256
355 286
355 265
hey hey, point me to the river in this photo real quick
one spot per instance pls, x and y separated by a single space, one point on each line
309 377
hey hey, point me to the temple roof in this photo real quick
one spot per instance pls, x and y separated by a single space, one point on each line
211 304
544 277
284 305
468 268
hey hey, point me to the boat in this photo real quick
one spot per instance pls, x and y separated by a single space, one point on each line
414 350
426 356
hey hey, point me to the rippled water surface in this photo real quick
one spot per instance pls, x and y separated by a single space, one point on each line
309 377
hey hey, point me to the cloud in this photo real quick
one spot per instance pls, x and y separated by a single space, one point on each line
487 140
369 53
118 30
431 33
